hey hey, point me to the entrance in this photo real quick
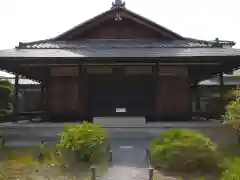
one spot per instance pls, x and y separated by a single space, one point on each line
121 95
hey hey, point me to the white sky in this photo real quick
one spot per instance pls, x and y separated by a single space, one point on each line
30 20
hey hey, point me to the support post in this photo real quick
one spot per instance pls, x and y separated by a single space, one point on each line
156 76
16 96
44 93
197 97
148 157
79 83
43 99
221 83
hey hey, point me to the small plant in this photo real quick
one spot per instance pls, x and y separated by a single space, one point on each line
87 140
185 150
233 172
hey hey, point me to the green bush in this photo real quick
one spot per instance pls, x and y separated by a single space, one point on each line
87 140
185 150
233 172
232 115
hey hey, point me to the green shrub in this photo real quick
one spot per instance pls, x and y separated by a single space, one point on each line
87 140
185 150
232 115
233 172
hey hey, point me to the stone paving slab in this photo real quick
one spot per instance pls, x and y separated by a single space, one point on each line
125 173
129 160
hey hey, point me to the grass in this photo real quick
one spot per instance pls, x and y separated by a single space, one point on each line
25 164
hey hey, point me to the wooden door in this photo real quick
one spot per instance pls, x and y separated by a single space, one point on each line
101 95
138 95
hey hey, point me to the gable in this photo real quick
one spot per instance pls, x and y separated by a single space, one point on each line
119 23
124 29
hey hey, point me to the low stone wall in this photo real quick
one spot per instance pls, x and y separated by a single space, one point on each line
120 121
220 133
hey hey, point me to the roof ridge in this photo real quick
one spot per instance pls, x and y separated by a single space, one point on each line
127 43
216 43
222 42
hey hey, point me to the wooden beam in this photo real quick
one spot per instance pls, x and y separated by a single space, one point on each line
221 90
16 96
156 79
80 88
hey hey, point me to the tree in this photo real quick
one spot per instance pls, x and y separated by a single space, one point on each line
6 99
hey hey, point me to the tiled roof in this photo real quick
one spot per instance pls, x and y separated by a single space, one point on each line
118 52
120 48
118 43
21 53
228 80
22 81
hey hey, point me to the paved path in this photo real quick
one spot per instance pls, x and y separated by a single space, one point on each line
129 160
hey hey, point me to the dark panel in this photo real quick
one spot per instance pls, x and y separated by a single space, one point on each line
173 96
134 93
101 95
63 94
138 95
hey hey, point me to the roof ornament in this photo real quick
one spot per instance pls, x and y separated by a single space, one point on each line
118 17
217 43
118 3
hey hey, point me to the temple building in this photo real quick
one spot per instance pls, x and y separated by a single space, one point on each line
119 64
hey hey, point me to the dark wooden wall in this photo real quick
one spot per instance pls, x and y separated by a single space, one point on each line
99 91
173 92
125 29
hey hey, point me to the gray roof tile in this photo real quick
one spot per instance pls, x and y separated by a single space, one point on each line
119 43
22 81
228 80
119 52
37 53
118 48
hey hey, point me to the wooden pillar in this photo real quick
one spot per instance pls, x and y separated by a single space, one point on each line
16 96
44 93
197 97
221 82
79 81
43 103
83 95
156 79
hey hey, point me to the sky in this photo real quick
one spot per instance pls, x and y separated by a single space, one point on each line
31 20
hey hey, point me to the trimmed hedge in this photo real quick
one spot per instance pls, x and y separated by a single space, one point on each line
185 150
